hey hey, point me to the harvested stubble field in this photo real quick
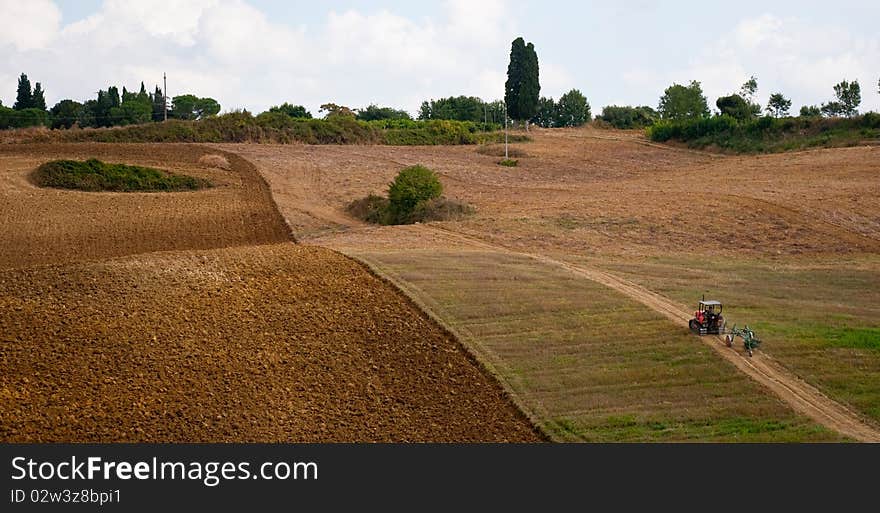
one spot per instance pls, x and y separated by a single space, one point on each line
235 334
615 202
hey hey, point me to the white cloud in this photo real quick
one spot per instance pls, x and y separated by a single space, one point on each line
230 50
800 59
28 25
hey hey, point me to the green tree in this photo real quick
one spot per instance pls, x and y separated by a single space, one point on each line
65 113
294 111
374 112
572 109
336 111
626 117
522 89
515 76
189 106
832 109
459 108
778 105
38 98
412 186
849 96
749 90
737 107
158 102
24 96
811 111
545 114
683 102
531 86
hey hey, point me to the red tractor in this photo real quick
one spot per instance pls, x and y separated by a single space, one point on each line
708 319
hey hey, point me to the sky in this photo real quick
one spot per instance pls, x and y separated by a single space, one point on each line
257 53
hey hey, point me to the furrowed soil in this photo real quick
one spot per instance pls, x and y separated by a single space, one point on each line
190 317
43 226
769 235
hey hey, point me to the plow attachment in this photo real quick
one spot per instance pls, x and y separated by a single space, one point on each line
750 340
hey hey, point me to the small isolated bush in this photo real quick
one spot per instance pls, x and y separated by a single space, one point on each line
509 163
497 150
411 186
440 209
94 175
372 209
413 197
214 160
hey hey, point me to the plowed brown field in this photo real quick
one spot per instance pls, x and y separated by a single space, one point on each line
234 335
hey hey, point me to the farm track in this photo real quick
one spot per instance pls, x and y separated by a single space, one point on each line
800 395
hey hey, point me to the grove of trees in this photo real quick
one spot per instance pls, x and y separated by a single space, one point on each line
463 108
572 109
109 108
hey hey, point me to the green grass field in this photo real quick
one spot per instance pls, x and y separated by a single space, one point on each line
588 363
820 318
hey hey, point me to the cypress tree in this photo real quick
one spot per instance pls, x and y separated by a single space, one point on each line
515 71
38 99
158 105
531 88
23 99
522 89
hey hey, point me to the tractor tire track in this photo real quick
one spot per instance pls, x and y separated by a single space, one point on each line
797 393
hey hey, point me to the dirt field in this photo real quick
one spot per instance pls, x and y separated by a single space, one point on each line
596 201
44 226
104 339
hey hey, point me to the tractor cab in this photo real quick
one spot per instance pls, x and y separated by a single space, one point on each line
708 319
711 307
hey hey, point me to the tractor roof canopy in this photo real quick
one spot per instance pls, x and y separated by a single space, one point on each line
710 302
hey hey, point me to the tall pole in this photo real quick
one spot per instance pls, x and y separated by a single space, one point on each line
164 97
505 132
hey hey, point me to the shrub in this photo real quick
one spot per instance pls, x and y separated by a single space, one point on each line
411 186
440 209
10 118
94 175
372 209
768 133
627 117
509 163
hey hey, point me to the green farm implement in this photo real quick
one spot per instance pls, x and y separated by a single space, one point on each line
750 340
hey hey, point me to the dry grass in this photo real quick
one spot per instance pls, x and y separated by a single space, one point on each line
215 160
497 150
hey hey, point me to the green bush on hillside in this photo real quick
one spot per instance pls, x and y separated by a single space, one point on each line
767 133
411 186
278 127
94 175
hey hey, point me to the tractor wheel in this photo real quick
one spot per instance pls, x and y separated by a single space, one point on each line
694 326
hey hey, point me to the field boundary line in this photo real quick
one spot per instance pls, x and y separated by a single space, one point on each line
481 355
797 393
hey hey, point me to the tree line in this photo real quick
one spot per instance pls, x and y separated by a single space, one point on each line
522 103
109 108
682 102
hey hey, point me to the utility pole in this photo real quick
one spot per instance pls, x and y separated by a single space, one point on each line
506 157
164 97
